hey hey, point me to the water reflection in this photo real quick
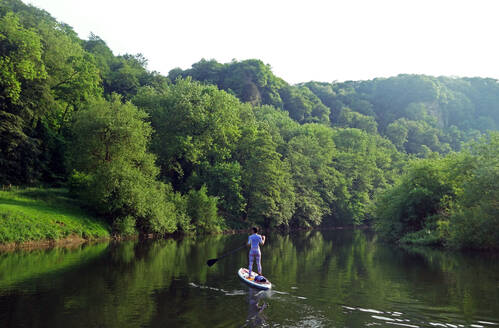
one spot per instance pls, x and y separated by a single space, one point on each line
321 278
256 305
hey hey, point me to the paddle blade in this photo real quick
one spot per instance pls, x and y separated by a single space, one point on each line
211 262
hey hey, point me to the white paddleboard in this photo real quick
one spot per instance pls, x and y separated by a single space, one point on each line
243 274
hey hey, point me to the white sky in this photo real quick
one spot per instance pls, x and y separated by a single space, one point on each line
302 40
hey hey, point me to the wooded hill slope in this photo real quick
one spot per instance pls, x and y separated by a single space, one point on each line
216 146
418 113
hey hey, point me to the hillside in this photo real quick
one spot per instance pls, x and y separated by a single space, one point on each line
224 146
418 113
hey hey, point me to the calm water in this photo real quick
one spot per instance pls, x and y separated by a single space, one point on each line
339 278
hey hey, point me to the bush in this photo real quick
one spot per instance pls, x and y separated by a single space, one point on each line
160 214
452 199
475 227
422 237
125 226
181 216
79 182
411 204
202 210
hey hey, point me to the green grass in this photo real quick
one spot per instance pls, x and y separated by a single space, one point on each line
39 214
422 237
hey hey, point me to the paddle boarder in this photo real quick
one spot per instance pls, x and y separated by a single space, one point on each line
254 241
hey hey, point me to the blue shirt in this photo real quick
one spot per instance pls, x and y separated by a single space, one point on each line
254 240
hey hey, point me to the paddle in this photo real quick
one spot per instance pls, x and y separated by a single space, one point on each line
213 261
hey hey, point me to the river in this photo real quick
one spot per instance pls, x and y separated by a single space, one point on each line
328 278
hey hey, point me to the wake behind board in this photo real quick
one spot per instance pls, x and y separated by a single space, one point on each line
243 274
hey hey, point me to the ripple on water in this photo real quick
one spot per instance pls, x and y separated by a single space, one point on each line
369 310
402 324
236 292
397 319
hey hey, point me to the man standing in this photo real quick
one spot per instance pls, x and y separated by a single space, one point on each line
254 241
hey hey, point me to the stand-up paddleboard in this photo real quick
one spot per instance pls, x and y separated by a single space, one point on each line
243 274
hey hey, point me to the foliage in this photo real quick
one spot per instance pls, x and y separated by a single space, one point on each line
266 180
310 155
150 152
47 76
124 74
20 65
197 128
351 119
183 220
474 217
368 165
423 237
416 110
202 210
109 154
20 59
408 206
418 113
193 124
451 200
252 81
125 226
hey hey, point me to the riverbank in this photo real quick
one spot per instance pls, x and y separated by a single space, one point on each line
41 218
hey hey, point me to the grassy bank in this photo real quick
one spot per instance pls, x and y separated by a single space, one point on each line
45 214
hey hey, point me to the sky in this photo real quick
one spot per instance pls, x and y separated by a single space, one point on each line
319 40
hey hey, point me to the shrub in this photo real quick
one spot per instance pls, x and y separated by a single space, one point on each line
125 226
202 210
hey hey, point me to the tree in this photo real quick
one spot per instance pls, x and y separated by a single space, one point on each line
398 133
317 184
267 184
194 123
202 209
197 131
473 218
411 204
368 164
113 171
302 105
21 67
350 119
20 57
73 77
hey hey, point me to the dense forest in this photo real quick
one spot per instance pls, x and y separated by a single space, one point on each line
226 146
